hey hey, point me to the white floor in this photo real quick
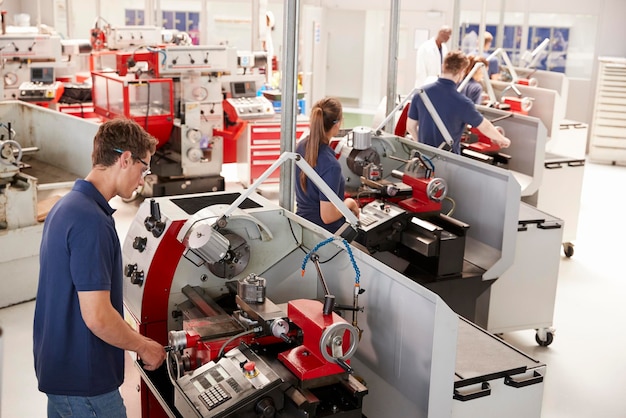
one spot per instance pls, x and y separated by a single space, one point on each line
586 364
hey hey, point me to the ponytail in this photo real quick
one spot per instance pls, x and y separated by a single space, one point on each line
324 115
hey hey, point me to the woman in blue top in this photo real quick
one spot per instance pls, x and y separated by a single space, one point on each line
474 89
311 203
455 110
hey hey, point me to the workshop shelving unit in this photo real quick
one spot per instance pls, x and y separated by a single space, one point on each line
608 127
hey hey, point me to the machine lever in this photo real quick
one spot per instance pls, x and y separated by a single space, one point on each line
344 365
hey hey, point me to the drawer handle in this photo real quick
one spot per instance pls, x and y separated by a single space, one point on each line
485 390
520 383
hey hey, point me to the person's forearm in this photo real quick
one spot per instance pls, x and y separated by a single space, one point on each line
329 212
411 127
490 131
112 329
107 324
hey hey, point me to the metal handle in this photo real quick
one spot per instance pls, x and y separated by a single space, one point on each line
520 383
485 390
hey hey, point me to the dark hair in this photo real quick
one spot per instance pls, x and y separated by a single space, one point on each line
455 62
123 135
324 115
472 61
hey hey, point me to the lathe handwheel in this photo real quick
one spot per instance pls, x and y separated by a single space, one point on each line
8 149
332 338
437 189
177 364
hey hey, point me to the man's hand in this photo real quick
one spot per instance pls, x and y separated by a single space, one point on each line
503 144
152 354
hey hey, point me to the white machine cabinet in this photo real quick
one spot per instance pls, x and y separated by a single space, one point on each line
492 376
523 296
608 128
570 141
560 193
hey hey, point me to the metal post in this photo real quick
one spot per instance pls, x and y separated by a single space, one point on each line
289 87
482 28
392 62
68 17
500 32
455 42
204 23
255 42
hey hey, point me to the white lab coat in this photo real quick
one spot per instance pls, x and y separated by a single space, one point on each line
429 61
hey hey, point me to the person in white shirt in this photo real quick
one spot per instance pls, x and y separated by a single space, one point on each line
430 56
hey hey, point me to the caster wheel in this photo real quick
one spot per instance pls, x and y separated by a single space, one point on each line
568 249
548 340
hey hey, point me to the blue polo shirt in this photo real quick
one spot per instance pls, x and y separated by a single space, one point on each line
328 168
454 109
80 251
474 91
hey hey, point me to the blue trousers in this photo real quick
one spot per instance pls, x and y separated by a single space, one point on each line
108 405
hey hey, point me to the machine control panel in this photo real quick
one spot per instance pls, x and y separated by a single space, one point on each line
128 36
257 107
38 92
376 213
27 46
239 380
180 59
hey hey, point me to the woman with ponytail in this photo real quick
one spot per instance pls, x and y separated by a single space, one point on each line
311 203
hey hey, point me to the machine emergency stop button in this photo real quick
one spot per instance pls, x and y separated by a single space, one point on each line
250 369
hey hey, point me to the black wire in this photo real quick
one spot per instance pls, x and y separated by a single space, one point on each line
307 250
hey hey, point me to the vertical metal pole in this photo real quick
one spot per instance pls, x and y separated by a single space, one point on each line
69 7
392 62
38 20
158 15
204 23
500 33
255 43
149 13
289 86
455 42
98 8
482 28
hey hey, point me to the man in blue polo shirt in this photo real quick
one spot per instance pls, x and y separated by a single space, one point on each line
455 110
79 334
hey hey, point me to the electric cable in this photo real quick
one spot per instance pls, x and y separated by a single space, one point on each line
220 354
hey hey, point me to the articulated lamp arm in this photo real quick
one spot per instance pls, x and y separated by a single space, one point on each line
378 130
469 76
436 118
310 173
507 63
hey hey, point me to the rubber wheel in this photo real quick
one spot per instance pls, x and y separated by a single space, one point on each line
547 342
568 249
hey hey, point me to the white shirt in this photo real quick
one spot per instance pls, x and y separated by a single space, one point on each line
429 61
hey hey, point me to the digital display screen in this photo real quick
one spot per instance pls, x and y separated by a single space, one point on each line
242 89
44 75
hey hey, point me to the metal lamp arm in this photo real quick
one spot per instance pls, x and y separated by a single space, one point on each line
507 63
436 118
310 173
395 109
536 54
469 76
